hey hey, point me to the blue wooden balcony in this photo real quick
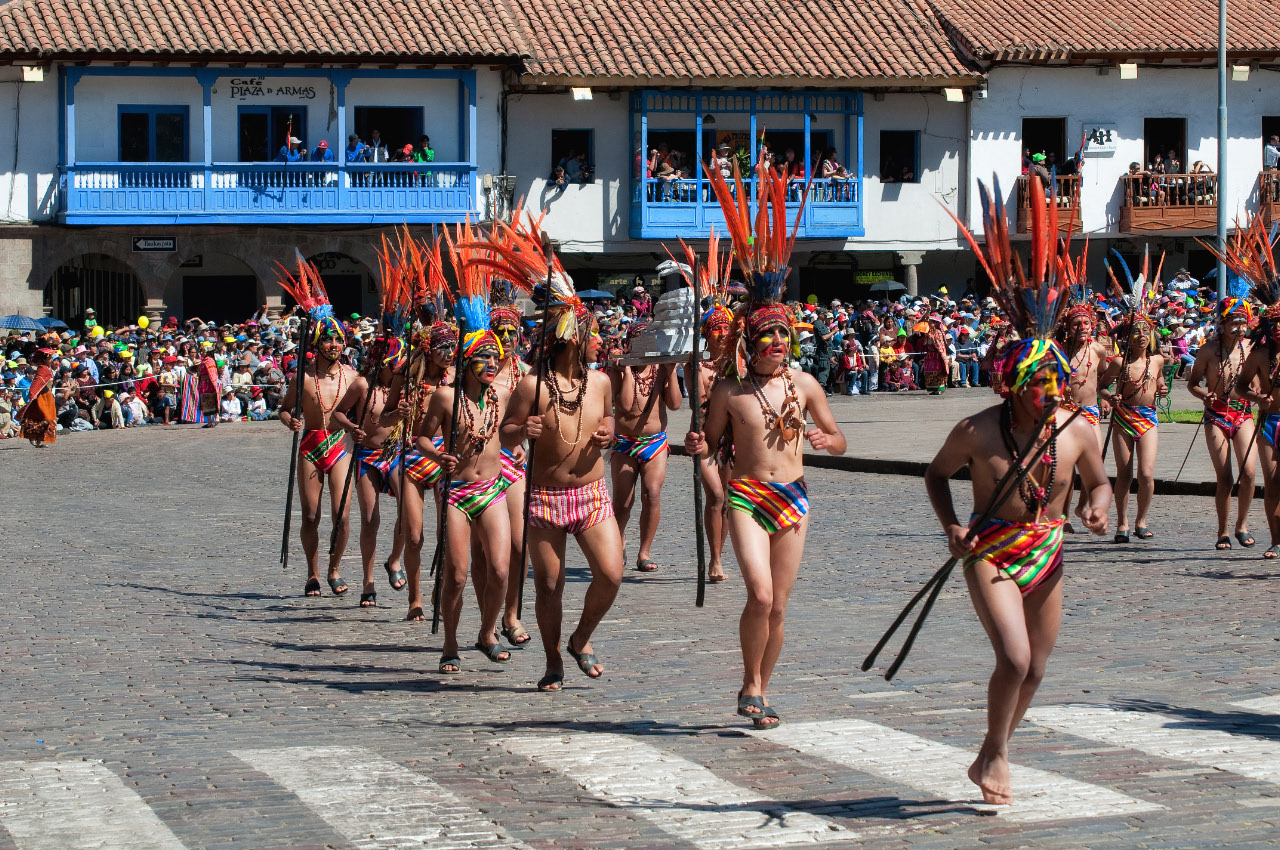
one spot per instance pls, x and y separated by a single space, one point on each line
667 209
266 193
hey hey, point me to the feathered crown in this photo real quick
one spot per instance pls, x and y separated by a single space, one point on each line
1033 297
440 333
762 248
1250 255
1143 291
472 304
395 289
307 290
713 278
516 255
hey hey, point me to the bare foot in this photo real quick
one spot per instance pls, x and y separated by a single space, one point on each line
415 615
715 572
991 774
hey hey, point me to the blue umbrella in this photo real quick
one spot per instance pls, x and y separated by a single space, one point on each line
594 294
19 322
51 324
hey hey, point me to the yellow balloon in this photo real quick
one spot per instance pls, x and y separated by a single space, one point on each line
97 331
143 322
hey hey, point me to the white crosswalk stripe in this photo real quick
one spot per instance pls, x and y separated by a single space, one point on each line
1269 705
76 805
1177 738
678 796
375 803
941 769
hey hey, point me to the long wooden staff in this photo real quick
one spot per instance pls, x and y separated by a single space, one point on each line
303 333
406 424
1004 489
695 425
442 529
548 252
1123 376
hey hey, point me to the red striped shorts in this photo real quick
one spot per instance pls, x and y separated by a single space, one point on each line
574 509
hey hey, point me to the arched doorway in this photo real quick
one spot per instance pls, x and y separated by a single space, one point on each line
348 282
95 281
214 287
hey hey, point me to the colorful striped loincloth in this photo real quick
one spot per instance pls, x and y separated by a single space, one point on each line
1135 419
1027 552
1091 413
368 461
643 449
1228 415
775 506
417 467
574 509
511 471
1270 427
473 497
323 449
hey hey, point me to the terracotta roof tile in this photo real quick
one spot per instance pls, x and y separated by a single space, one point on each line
1033 30
374 29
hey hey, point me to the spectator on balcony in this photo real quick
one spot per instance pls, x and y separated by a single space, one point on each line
558 179
424 152
405 154
322 152
291 152
376 150
722 161
1184 281
1026 159
829 168
1038 169
1271 154
1172 165
1142 188
1158 165
357 151
791 167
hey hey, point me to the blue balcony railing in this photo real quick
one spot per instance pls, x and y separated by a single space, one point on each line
246 192
666 209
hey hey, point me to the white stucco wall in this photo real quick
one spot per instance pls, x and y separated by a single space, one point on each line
1082 95
98 101
28 146
907 216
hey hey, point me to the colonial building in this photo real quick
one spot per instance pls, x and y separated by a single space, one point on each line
153 142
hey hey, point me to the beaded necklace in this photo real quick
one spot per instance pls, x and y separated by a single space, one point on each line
1035 495
474 441
790 420
567 406
324 412
1226 377
515 374
1141 384
644 386
1088 364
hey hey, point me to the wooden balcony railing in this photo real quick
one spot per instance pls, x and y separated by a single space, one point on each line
1154 202
1269 196
1068 198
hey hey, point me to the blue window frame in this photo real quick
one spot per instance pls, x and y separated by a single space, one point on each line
263 130
153 133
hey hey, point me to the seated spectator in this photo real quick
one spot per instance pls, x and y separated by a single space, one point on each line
257 406
106 411
230 410
322 152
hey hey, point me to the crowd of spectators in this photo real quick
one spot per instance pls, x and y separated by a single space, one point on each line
143 374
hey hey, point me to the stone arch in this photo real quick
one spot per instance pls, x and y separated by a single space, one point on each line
215 286
101 281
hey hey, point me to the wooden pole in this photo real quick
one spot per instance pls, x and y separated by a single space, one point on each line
548 250
303 332
442 528
695 424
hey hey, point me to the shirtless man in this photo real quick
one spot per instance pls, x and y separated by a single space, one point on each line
716 323
1012 564
328 392
1088 359
372 472
476 492
429 364
1228 415
641 399
763 416
1138 383
572 424
504 321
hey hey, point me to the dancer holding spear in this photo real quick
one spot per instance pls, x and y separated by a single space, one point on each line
387 357
568 430
430 358
327 394
762 413
1013 561
1250 254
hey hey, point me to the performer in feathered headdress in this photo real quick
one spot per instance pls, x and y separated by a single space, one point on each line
1138 375
426 366
1012 562
1233 375
327 399
569 426
385 360
767 403
467 415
